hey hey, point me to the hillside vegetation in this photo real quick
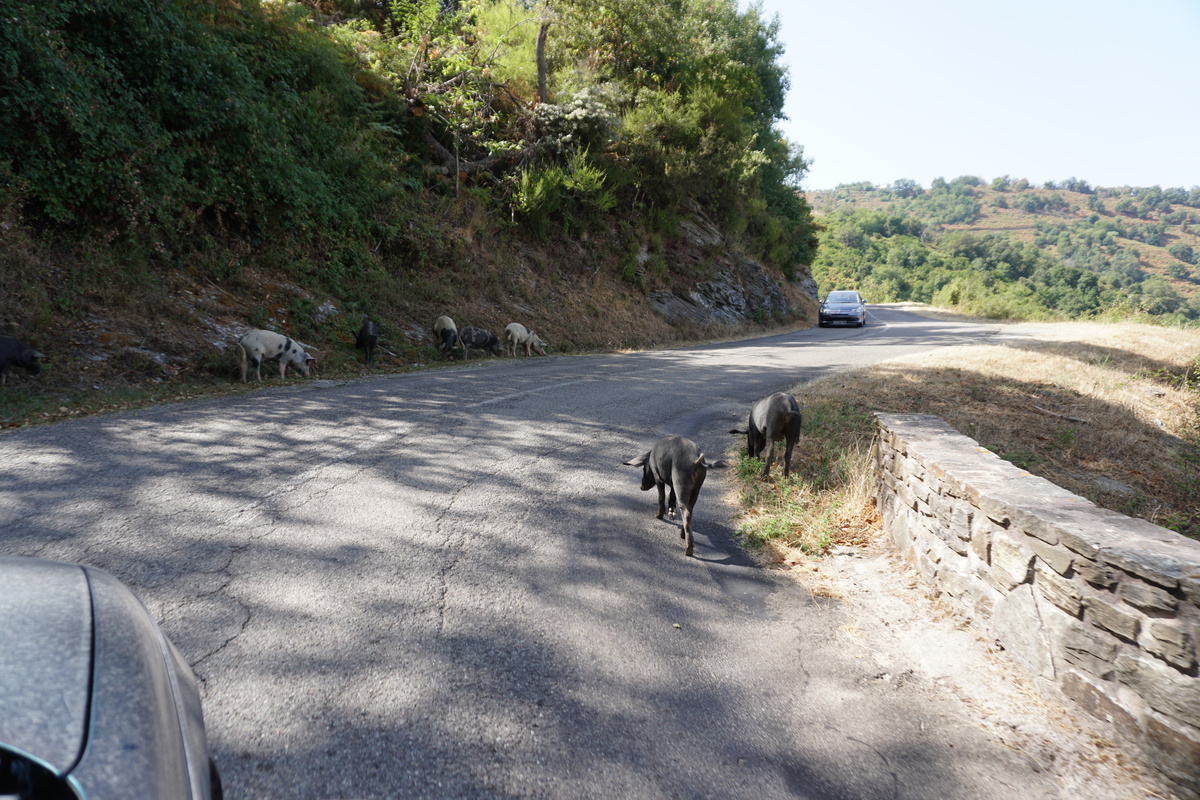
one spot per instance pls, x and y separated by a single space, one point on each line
1008 250
174 173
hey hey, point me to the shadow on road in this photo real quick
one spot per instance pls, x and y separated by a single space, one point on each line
478 639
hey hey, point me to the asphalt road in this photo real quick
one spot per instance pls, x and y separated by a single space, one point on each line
446 584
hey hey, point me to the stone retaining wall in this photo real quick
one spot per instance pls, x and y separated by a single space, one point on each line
1104 605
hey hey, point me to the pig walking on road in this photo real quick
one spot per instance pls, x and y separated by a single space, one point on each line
675 463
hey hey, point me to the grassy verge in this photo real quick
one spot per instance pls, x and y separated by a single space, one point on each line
125 332
1109 412
827 498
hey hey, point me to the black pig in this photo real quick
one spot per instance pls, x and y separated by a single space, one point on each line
15 353
368 337
772 418
470 338
677 463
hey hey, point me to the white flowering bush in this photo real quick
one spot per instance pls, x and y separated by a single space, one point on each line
584 122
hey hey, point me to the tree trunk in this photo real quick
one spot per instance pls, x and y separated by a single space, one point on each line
543 95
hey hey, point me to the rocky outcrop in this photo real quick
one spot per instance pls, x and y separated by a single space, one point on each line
741 291
738 290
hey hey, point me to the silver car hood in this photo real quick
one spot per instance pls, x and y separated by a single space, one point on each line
92 690
45 660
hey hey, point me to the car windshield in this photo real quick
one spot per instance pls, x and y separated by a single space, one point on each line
842 297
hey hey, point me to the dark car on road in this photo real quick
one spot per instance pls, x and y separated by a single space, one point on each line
95 702
843 306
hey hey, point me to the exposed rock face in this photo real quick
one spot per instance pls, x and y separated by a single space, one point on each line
740 290
808 284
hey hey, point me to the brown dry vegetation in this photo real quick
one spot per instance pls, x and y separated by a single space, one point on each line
1108 411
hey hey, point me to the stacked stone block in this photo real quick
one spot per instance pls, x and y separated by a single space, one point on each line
1104 605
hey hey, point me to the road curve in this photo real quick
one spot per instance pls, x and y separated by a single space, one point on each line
446 585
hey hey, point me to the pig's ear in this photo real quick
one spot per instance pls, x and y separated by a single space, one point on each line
639 461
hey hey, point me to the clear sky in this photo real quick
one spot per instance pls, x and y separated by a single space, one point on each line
1104 91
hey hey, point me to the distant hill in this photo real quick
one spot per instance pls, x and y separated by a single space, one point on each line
1061 250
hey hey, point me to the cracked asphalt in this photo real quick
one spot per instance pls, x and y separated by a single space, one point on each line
446 585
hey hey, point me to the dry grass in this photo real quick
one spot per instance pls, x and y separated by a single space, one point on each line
1109 412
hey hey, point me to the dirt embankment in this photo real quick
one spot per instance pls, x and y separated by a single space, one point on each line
117 338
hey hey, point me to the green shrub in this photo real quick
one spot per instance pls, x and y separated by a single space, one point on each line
566 195
139 116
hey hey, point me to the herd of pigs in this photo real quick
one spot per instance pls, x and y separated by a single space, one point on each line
259 346
674 465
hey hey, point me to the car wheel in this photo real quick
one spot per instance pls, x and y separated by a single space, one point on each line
216 791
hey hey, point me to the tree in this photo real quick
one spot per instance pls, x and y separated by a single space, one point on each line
1154 235
1127 269
906 187
1075 185
1183 251
1159 297
543 29
1179 271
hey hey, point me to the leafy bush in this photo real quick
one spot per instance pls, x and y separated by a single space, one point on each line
585 121
135 115
561 194
1182 251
